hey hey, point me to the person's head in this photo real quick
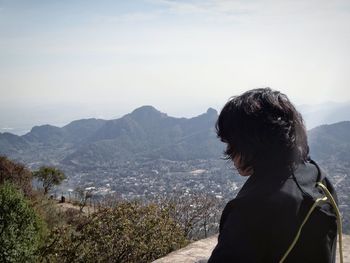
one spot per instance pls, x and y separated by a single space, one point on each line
263 131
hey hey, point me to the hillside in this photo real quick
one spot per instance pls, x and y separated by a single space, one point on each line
331 141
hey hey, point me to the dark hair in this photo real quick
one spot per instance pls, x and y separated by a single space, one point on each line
264 127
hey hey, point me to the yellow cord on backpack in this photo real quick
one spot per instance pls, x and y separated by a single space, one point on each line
319 200
339 224
330 198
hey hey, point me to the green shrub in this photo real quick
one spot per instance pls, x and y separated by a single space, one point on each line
129 232
21 230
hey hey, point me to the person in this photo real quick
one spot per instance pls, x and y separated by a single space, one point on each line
266 139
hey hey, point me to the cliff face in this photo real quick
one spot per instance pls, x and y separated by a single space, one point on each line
200 251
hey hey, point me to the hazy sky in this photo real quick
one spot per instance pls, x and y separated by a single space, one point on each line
68 59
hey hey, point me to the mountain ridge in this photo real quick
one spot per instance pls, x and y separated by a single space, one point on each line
145 131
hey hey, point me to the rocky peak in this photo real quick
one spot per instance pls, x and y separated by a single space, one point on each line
147 112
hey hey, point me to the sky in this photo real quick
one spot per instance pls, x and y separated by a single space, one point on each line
70 59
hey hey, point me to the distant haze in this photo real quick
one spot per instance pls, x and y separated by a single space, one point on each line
67 60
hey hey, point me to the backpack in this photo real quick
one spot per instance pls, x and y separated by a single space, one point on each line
326 198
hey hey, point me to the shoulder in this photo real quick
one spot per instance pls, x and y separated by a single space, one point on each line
260 213
248 212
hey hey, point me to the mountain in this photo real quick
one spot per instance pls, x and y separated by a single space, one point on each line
143 133
149 133
331 141
45 135
80 130
11 144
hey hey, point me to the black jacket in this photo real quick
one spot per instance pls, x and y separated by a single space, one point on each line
262 221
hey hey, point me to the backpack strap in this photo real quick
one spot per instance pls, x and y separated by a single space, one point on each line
328 197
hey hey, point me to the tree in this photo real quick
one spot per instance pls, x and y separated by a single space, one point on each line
84 195
49 176
17 174
196 213
21 230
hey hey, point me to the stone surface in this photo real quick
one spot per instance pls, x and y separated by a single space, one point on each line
200 251
346 249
